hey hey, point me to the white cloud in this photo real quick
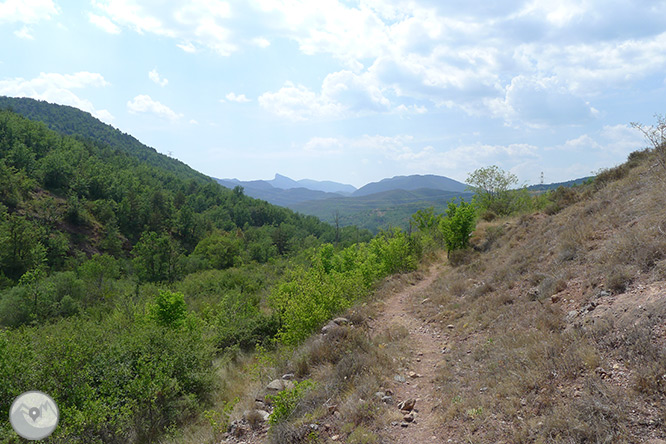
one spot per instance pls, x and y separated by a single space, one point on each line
324 146
261 42
24 33
145 104
104 23
239 98
27 11
343 94
297 102
187 47
155 77
56 88
194 23
469 55
614 140
559 13
539 102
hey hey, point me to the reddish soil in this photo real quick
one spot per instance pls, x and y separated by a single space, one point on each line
426 342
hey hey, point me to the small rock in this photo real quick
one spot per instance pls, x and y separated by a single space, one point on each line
314 427
413 375
601 372
450 326
341 321
237 429
380 394
394 423
335 437
264 414
275 385
399 378
407 405
328 327
387 399
404 424
288 377
409 417
425 300
523 402
554 299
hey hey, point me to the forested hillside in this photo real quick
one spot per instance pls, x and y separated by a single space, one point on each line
68 120
122 280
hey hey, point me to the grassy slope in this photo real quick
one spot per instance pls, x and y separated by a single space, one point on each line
556 337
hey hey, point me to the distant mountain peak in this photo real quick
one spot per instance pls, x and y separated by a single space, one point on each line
283 182
413 182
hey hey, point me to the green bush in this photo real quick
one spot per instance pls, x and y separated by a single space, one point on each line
307 297
115 381
168 309
458 226
286 401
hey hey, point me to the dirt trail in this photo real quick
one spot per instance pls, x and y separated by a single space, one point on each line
426 343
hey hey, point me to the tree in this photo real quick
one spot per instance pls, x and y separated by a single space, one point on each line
155 257
492 187
169 309
656 136
458 225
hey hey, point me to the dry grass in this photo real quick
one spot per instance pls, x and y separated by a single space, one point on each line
521 367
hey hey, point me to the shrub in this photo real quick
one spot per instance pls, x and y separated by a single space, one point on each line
457 226
286 401
169 309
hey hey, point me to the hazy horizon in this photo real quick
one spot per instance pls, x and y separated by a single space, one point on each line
352 91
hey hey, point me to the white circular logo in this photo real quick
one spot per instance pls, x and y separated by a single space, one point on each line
34 415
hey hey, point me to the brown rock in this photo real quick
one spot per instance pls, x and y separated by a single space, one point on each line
407 405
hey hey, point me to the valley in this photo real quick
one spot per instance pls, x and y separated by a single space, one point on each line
155 305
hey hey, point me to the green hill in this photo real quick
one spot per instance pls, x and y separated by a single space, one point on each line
381 210
68 120
124 274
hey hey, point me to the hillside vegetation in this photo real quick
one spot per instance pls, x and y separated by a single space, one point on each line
549 329
123 278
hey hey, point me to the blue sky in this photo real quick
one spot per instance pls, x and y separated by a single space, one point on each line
352 91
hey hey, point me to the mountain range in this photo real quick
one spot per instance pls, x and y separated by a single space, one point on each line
389 202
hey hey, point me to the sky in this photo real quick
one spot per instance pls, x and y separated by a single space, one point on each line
352 91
